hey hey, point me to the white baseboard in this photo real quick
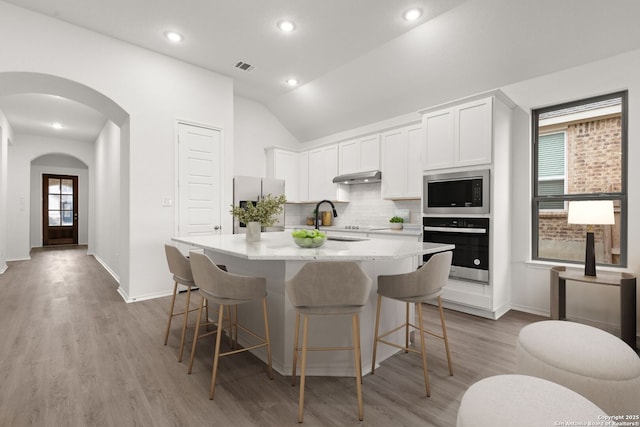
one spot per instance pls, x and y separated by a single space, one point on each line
530 310
155 295
106 267
481 312
3 269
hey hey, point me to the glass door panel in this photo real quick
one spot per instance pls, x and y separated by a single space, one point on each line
60 214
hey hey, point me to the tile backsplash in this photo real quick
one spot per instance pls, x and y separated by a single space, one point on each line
366 207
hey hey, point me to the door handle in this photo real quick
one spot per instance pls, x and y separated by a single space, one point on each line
217 227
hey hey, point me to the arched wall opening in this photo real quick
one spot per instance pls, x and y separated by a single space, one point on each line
59 164
107 174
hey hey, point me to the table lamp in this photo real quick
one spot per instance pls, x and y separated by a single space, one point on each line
590 213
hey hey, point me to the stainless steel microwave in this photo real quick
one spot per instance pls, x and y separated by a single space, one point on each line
456 193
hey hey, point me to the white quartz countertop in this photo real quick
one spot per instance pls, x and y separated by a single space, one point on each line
280 246
407 231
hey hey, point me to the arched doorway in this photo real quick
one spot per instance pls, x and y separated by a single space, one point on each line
59 200
102 171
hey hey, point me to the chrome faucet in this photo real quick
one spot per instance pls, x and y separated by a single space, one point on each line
335 214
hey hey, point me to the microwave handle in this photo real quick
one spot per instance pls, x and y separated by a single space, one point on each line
457 230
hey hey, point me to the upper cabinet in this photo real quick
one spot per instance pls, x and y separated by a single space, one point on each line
285 164
303 176
323 167
359 155
308 175
459 136
401 166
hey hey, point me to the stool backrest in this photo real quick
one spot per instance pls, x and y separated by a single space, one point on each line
178 264
329 284
221 285
426 280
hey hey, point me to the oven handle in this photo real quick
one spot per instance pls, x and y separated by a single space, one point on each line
457 230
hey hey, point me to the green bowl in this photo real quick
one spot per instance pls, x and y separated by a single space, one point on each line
310 242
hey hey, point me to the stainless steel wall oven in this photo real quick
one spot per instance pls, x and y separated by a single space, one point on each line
471 237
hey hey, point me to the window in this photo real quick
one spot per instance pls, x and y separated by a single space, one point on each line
60 202
551 170
579 153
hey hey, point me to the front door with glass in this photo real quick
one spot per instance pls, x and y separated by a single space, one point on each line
59 210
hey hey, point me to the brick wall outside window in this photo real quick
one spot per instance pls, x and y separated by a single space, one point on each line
593 166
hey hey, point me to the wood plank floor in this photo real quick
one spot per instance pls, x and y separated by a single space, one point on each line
74 354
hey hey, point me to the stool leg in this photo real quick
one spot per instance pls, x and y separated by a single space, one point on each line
235 324
295 350
356 355
305 328
375 336
207 313
195 334
216 354
173 302
359 347
406 330
184 323
266 334
232 322
423 350
444 335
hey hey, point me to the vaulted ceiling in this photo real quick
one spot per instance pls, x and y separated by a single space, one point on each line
357 61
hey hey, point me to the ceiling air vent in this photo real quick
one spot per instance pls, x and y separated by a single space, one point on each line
244 66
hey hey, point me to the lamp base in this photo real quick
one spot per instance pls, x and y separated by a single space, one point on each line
590 256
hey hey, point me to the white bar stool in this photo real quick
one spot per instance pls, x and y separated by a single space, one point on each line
226 289
423 285
328 289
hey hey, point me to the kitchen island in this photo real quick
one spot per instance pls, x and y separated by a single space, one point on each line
278 258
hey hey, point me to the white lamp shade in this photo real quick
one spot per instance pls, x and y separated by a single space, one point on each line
591 212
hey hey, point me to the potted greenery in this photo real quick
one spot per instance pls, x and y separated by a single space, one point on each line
262 214
396 222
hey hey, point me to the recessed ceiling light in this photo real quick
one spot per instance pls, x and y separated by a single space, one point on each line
286 26
173 36
56 125
292 82
412 14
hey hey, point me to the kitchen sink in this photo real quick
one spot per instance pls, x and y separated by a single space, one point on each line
346 238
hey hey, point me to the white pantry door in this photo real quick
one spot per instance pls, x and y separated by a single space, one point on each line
199 180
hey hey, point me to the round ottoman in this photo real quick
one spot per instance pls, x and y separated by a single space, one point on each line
523 401
589 361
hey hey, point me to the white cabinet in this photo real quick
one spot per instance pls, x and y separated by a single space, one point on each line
323 167
284 164
477 132
473 132
308 175
439 142
459 136
401 166
359 155
303 176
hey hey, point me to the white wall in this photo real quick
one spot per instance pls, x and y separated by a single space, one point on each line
155 91
5 136
255 129
35 203
107 198
530 281
22 152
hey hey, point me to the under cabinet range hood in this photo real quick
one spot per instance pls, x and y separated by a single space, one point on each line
359 177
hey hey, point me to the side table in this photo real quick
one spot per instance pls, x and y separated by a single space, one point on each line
626 282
